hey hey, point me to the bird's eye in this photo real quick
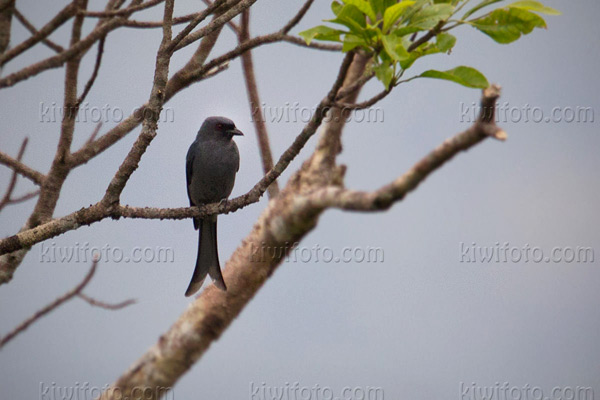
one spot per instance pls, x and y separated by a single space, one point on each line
219 126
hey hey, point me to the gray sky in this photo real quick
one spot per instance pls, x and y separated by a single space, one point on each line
417 324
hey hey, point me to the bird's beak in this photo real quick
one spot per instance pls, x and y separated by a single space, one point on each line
236 132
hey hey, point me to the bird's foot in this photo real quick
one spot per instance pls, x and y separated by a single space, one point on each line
223 205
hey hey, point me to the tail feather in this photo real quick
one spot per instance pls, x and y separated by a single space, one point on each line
207 262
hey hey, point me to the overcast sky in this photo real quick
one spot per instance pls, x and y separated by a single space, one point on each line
431 320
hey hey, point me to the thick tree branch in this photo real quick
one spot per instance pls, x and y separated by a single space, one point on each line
212 312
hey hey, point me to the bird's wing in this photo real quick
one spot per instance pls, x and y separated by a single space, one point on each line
189 168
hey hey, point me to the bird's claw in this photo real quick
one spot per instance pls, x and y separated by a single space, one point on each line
222 204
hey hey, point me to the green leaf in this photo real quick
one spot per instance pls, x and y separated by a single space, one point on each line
405 30
351 41
445 42
394 48
377 6
336 8
462 75
393 13
321 32
351 17
364 7
385 73
534 6
429 17
479 6
507 25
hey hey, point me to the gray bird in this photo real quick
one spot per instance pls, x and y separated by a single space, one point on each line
211 164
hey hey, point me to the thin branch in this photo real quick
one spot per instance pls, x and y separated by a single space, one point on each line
366 103
124 12
150 124
17 166
426 37
32 29
59 59
59 170
254 102
194 22
297 18
90 82
52 306
107 306
24 197
94 134
13 180
385 197
159 24
182 41
313 45
63 16
232 25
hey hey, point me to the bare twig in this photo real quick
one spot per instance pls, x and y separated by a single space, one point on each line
32 29
385 197
232 25
90 82
124 12
52 306
313 45
158 24
108 306
366 103
427 36
13 180
182 41
63 16
254 100
194 22
150 124
24 197
59 59
17 166
94 134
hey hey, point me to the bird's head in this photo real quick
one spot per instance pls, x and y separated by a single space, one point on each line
219 127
